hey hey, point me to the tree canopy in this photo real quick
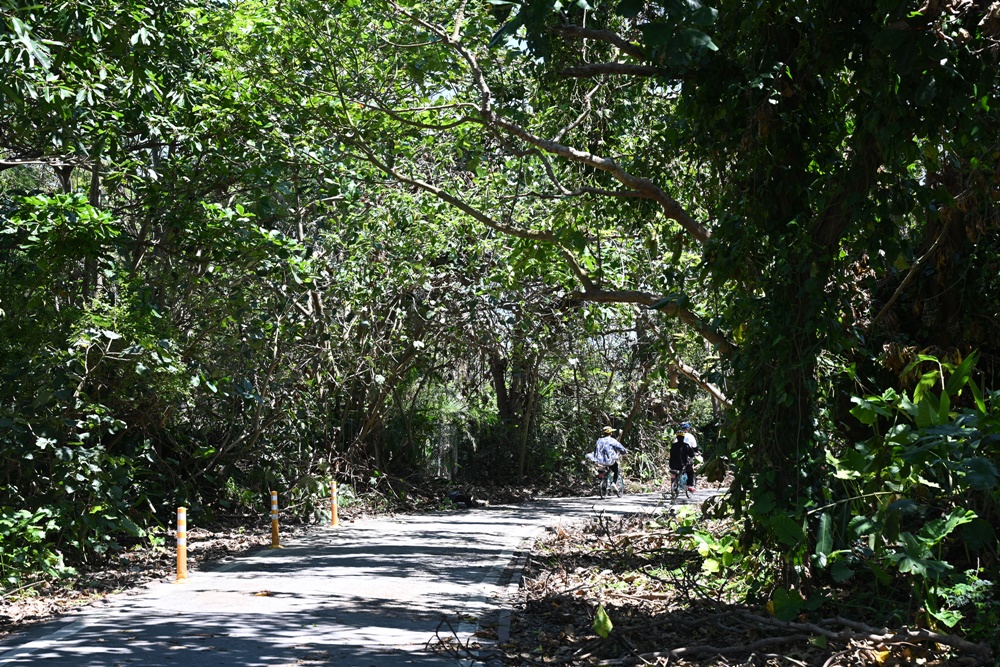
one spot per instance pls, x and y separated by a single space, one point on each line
262 244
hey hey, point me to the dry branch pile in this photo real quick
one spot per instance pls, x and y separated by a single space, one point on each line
664 610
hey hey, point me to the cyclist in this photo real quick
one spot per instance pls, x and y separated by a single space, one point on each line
682 457
607 451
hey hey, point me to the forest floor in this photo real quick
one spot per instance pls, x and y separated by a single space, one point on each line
633 591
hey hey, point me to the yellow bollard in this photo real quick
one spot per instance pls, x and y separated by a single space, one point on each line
334 520
182 567
274 520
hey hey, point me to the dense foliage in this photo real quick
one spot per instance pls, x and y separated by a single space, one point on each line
258 245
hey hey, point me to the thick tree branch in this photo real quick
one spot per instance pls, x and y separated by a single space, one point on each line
579 192
693 375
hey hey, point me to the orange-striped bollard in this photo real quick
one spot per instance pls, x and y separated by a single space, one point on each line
274 520
334 520
182 549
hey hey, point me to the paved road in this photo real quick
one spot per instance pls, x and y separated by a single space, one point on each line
369 593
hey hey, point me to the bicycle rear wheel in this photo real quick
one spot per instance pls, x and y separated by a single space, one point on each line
674 487
602 486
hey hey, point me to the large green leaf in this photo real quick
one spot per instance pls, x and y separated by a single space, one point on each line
979 472
787 529
824 537
602 623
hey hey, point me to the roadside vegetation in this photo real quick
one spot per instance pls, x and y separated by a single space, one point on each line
413 248
673 590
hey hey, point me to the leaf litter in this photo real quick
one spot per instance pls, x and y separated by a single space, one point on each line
633 591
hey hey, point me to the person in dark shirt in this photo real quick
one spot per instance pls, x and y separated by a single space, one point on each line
682 458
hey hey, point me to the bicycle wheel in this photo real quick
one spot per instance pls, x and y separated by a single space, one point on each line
602 486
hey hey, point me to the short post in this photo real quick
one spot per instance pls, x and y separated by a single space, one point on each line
334 520
274 520
182 570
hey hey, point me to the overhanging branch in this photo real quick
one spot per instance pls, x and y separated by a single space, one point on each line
713 336
607 36
671 208
693 375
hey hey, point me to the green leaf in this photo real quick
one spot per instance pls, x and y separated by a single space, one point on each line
704 16
926 413
944 408
630 8
903 506
949 617
867 411
787 529
695 40
840 571
977 394
935 531
763 505
508 29
979 535
960 375
654 35
131 527
602 623
787 604
824 540
980 473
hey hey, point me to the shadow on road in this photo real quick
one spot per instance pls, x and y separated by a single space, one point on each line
372 593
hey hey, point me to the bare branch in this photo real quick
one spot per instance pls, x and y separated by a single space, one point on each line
586 190
646 299
670 207
583 114
600 69
608 36
909 276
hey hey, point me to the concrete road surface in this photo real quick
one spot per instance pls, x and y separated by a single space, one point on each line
368 593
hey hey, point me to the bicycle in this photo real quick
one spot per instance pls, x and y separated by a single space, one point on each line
604 483
678 483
